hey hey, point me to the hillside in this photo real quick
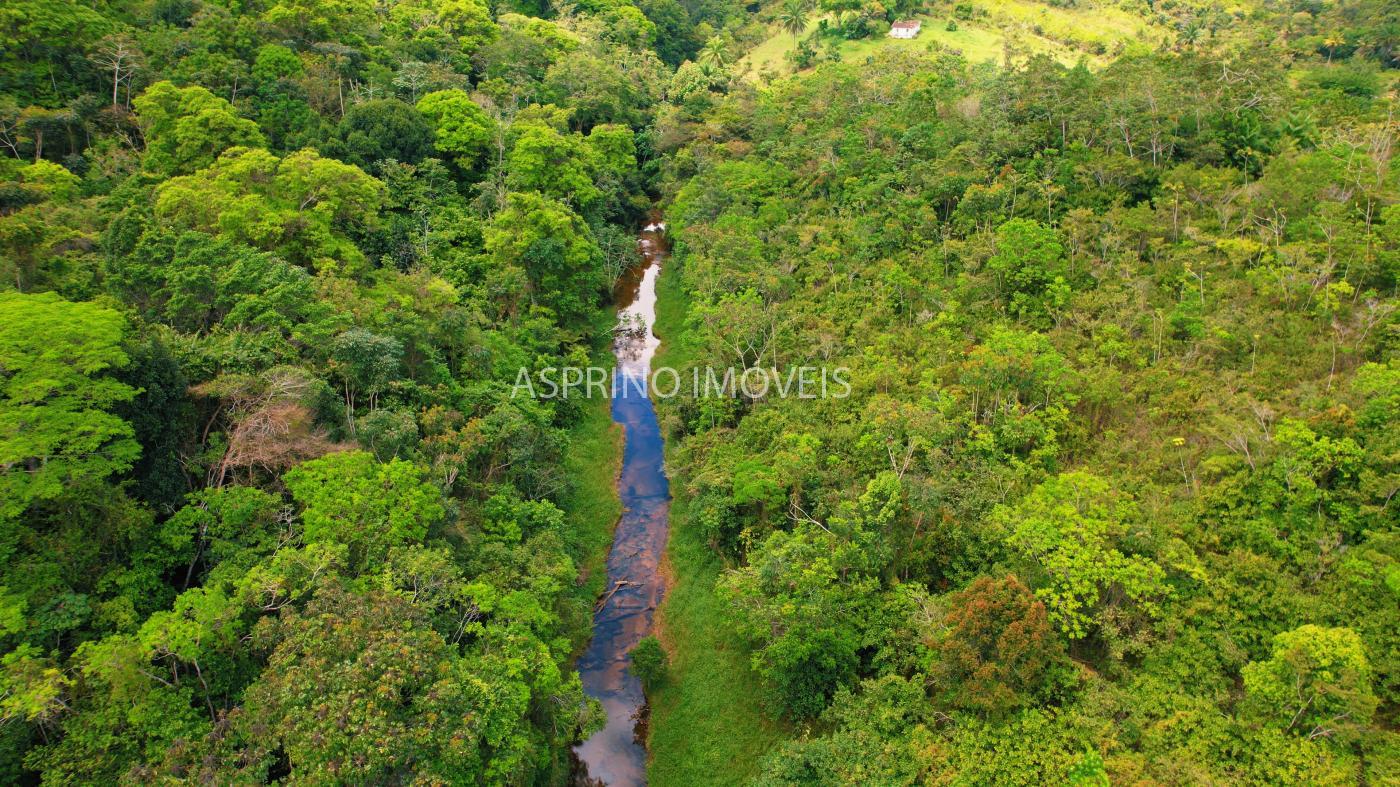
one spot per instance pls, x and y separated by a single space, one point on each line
1112 497
1105 490
270 511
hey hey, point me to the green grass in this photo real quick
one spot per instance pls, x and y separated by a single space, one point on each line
592 508
977 44
1083 27
1066 34
772 53
706 726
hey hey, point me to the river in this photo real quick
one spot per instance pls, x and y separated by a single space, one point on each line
615 755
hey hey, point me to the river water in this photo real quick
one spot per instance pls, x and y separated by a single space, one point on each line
615 755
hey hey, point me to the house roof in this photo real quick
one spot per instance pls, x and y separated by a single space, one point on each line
907 24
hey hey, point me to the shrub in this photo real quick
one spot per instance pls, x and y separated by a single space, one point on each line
649 663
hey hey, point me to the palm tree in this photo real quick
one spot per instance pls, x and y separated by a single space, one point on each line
1332 42
793 17
715 53
1190 34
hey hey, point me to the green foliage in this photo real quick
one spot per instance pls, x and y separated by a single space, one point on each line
1316 684
614 149
470 22
1089 771
199 283
388 434
676 40
381 129
226 529
369 506
877 740
162 418
57 429
509 518
33 686
553 247
805 601
318 658
40 32
315 666
555 165
187 128
1084 366
1069 528
649 662
1120 336
50 180
1028 262
366 363
274 62
805 667
309 21
302 206
1352 80
461 129
218 302
101 744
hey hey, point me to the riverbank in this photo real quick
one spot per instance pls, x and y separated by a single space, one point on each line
593 507
706 726
616 754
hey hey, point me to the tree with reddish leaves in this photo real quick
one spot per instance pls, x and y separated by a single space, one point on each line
997 650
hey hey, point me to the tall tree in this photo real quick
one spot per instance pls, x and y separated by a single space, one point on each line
57 429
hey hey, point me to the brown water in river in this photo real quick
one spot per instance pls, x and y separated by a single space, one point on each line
617 754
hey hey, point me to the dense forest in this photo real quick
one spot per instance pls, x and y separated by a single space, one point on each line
1113 498
268 511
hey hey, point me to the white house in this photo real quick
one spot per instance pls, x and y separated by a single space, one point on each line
906 28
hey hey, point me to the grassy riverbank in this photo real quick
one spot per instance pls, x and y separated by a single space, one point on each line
592 508
706 727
